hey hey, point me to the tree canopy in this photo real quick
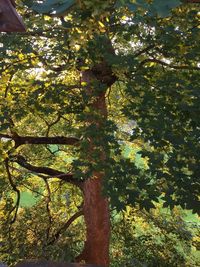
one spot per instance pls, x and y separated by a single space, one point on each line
142 60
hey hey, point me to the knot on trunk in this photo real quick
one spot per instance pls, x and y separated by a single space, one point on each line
103 73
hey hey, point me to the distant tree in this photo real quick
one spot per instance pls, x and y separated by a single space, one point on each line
70 84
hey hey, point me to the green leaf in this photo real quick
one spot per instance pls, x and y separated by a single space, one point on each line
4 126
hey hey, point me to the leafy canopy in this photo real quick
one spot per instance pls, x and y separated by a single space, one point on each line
156 65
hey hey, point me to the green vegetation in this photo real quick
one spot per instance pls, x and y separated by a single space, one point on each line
99 123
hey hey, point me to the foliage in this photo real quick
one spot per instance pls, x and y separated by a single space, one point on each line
42 230
153 54
158 238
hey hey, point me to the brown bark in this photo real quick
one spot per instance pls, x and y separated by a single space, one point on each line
96 214
36 140
67 177
96 206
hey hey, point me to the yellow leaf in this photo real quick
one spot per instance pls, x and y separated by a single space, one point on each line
102 30
20 56
83 83
151 64
77 47
101 24
84 68
78 30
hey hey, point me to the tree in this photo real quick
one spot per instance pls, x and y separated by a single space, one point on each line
61 84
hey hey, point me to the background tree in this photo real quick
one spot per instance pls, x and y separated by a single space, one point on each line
62 83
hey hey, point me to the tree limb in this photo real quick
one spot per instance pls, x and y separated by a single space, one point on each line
65 226
14 187
146 49
67 177
48 201
163 63
32 140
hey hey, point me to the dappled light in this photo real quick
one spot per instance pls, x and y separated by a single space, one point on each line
99 133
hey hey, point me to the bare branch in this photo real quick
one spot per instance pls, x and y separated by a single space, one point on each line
49 125
146 49
48 201
14 187
169 65
67 177
65 226
32 140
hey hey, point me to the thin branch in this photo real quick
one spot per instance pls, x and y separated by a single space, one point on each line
14 187
65 226
49 66
48 201
16 62
52 152
49 125
8 84
67 177
144 50
160 62
32 190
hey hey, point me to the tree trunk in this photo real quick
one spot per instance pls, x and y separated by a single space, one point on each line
96 206
97 219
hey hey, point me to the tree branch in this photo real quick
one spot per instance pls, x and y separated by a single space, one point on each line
14 187
65 226
193 1
48 201
52 173
178 67
32 140
146 49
